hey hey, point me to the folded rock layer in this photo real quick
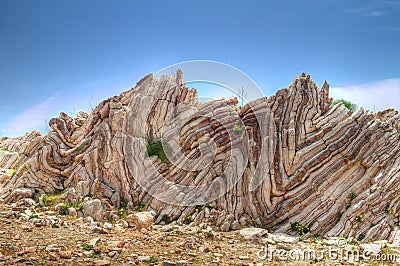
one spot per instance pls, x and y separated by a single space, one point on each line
291 159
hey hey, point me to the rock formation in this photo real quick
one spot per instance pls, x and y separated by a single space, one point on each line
291 162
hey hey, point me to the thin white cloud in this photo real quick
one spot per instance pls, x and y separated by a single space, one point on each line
375 8
34 118
366 12
374 14
374 96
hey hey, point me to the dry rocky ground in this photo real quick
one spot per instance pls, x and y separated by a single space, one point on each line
38 235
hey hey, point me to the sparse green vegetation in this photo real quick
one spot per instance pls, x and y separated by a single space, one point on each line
198 208
299 228
316 237
63 209
387 208
7 151
49 200
139 207
79 149
359 218
121 212
12 171
188 219
238 129
165 218
349 105
210 206
360 237
87 247
154 259
160 149
123 204
122 208
351 241
353 195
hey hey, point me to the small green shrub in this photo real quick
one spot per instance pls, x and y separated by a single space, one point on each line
349 105
238 129
299 228
160 149
139 207
45 200
63 209
188 219
87 247
359 218
123 204
49 200
316 237
13 171
165 218
121 212
154 259
351 241
360 237
210 206
387 208
198 208
353 195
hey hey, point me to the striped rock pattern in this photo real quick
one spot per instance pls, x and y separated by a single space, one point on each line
290 158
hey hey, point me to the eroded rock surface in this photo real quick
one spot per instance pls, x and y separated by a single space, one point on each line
291 162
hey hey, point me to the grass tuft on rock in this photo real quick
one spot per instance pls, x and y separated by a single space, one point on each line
160 149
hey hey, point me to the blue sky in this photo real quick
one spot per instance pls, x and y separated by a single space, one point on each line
68 55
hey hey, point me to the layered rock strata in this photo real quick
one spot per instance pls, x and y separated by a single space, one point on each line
289 162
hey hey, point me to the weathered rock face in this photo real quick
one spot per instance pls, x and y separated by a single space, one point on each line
93 208
289 159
